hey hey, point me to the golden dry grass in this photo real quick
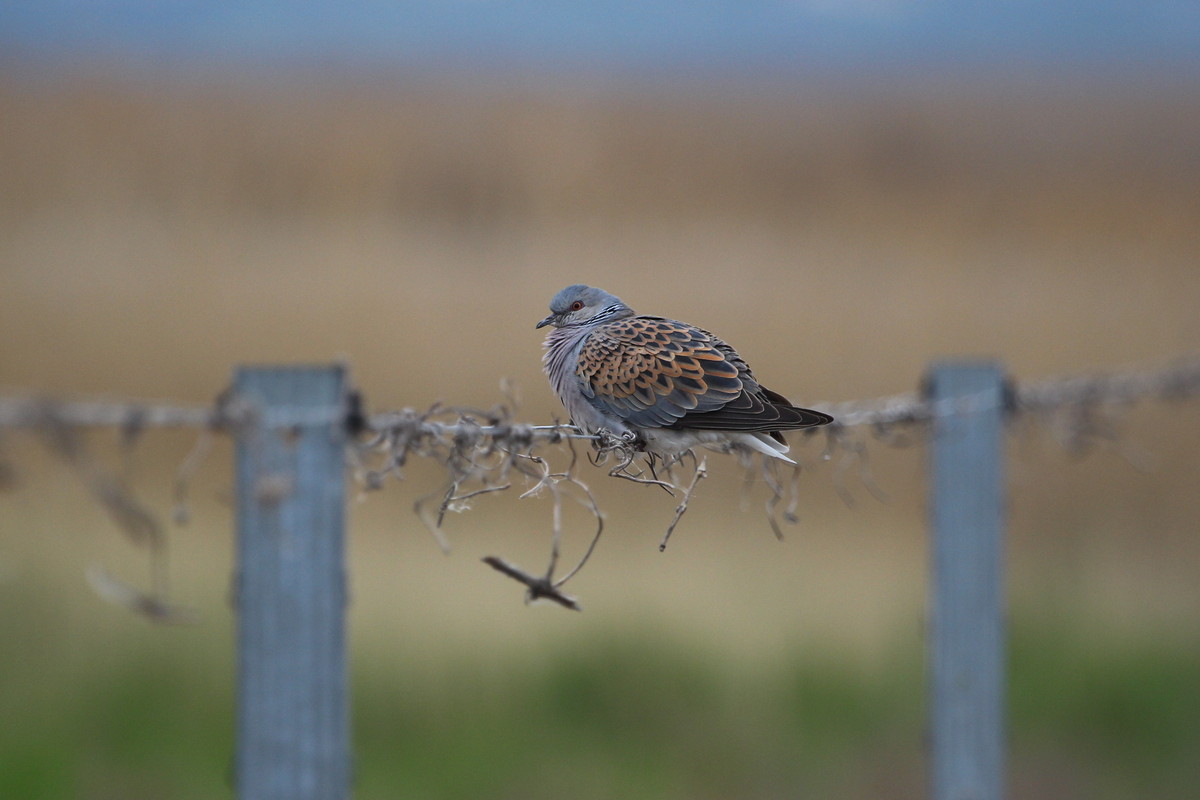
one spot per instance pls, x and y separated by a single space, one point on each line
153 235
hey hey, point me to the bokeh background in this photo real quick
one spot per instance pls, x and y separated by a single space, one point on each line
846 191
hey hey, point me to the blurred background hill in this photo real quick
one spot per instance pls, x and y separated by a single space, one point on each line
845 191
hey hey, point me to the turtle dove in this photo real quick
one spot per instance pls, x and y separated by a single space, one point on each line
668 385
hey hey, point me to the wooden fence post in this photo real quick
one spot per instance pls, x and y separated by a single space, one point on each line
290 587
967 638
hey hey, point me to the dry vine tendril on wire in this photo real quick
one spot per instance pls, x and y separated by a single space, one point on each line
485 449
485 452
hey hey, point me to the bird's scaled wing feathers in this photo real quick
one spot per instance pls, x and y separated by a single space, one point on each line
658 373
761 411
652 372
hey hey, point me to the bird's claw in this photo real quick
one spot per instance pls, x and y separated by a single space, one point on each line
634 441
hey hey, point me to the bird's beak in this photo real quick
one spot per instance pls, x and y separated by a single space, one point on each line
547 321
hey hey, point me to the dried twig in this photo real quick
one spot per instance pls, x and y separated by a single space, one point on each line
537 588
181 512
700 473
154 608
771 479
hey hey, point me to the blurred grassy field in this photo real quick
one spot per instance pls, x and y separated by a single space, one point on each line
153 234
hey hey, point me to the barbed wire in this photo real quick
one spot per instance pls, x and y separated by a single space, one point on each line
487 451
1176 381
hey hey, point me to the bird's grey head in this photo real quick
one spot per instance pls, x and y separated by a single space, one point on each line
581 305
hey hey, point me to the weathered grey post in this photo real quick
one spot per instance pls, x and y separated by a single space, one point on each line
967 639
290 589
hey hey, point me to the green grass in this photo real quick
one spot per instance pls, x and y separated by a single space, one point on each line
1130 712
145 714
609 714
639 717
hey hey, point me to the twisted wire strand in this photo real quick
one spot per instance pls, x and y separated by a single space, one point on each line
488 449
1177 381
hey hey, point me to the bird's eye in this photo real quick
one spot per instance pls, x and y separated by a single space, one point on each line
576 305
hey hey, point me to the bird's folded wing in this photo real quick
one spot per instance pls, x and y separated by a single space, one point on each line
758 411
652 372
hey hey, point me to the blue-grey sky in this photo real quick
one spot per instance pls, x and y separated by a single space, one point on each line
667 36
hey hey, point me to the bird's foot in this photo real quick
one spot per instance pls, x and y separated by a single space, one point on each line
634 441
